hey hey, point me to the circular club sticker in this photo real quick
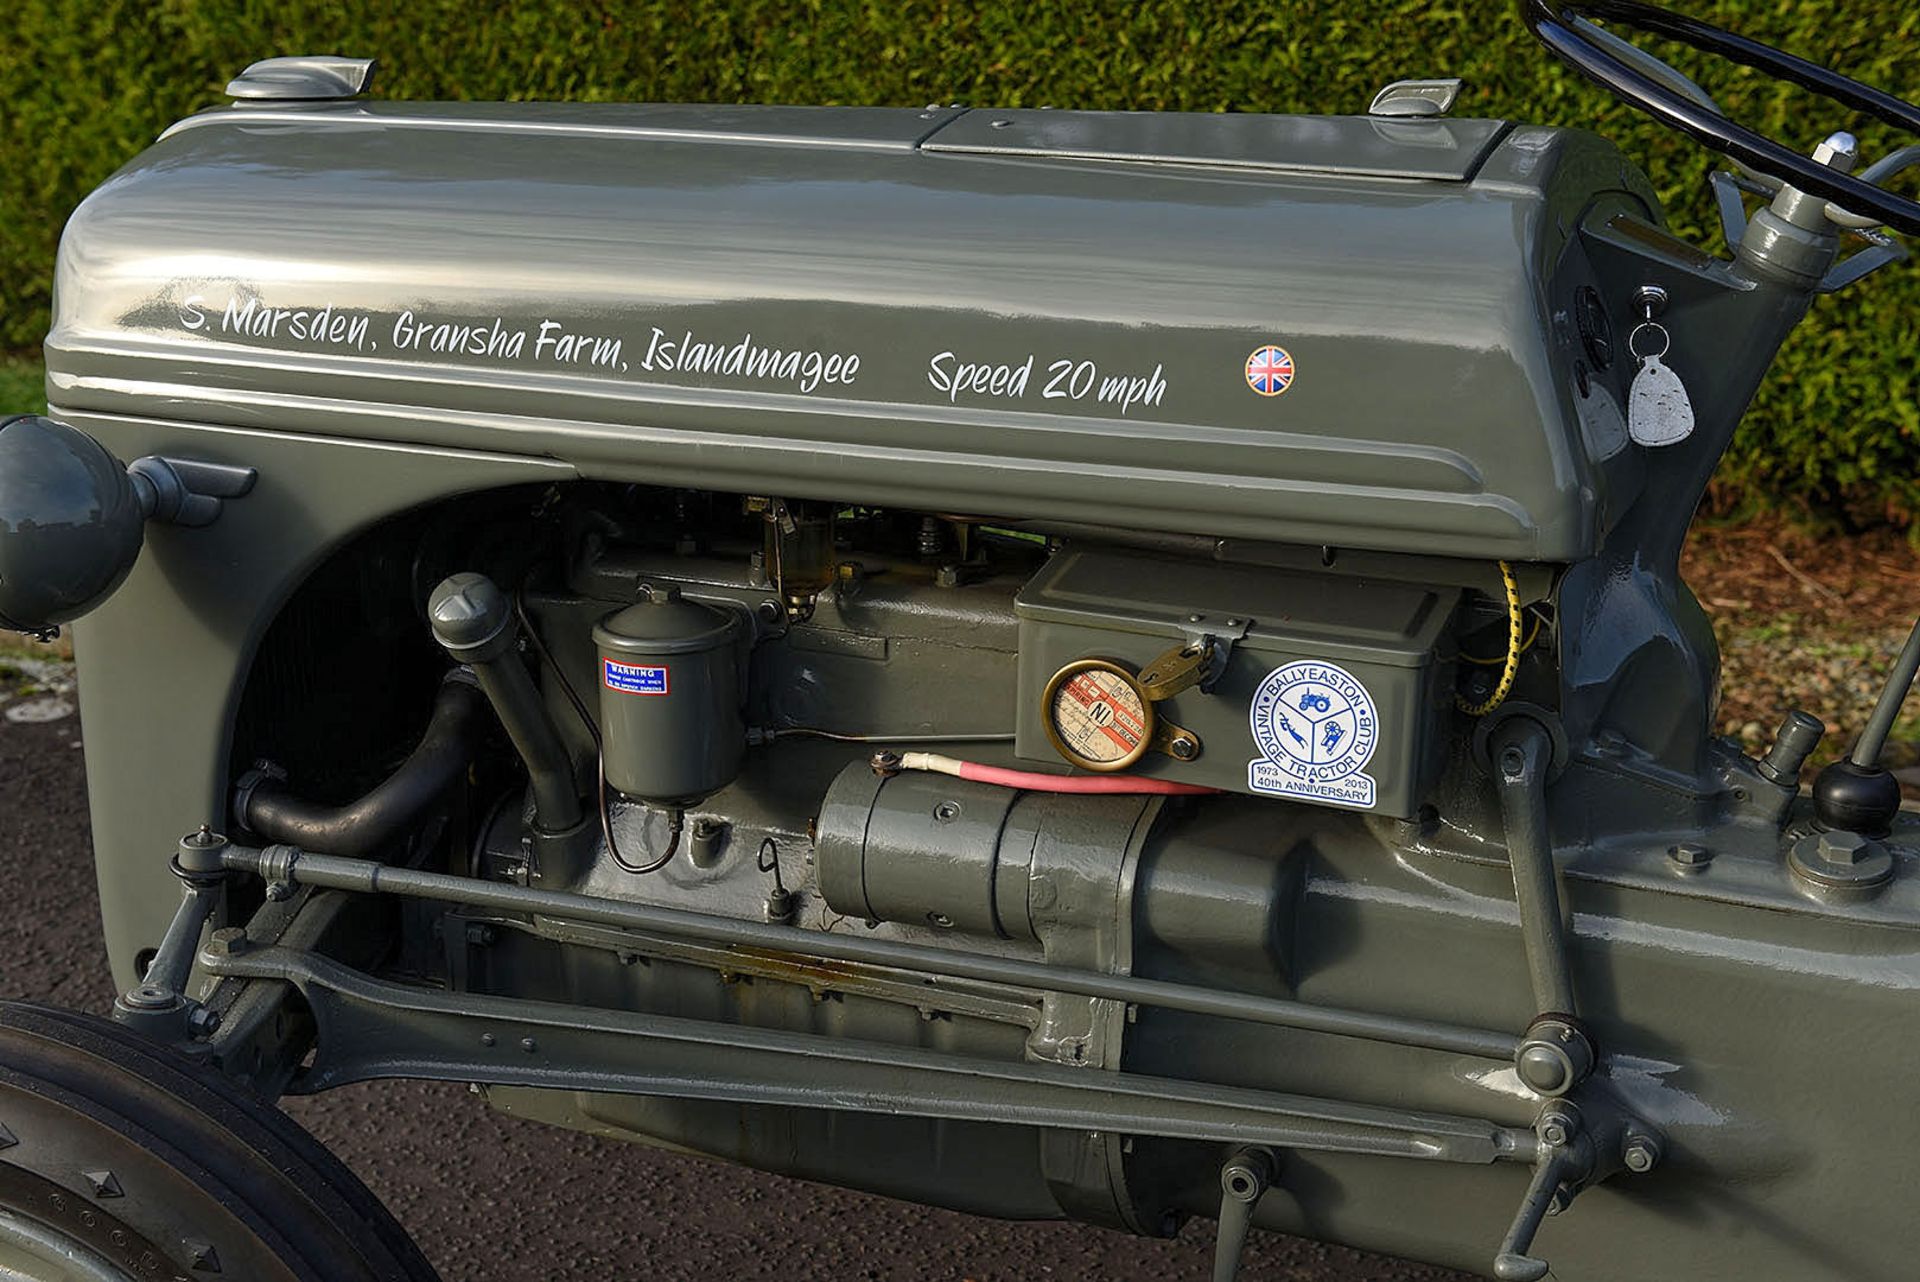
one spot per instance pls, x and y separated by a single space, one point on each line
1270 370
1315 726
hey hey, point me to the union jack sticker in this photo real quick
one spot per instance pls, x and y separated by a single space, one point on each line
1270 370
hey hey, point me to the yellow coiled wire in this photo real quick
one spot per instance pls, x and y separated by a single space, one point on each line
1511 668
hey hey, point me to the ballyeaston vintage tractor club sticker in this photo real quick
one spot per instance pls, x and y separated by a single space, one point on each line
1315 727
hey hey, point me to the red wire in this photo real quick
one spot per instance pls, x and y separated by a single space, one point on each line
1033 781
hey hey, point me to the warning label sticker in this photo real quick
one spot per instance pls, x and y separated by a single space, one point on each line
635 678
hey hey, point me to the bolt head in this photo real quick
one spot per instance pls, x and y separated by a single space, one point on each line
1554 1131
1690 856
1640 1155
228 941
1843 848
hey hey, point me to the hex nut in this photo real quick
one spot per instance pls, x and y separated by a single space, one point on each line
228 941
1838 151
1640 1155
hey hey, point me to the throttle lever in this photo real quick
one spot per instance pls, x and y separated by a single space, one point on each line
1565 1158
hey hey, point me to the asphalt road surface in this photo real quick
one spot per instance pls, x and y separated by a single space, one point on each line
495 1199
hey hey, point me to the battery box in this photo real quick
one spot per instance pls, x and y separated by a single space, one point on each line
1333 692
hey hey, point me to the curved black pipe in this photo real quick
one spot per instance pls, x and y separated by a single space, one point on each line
363 826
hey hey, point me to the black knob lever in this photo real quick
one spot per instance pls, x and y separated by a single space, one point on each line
1859 794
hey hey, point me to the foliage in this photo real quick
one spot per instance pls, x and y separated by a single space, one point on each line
20 387
1836 429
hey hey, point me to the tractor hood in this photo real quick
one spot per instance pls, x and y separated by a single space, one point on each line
1324 330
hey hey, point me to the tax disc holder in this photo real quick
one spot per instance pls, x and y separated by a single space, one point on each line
1092 621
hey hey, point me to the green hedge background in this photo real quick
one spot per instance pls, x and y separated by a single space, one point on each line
1835 432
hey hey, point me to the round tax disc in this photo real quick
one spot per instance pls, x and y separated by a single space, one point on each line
1096 715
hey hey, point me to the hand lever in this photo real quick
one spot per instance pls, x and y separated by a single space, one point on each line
1858 794
1243 1179
1565 1156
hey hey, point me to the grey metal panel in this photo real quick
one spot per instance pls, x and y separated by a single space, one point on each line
876 128
162 662
364 229
1343 618
1441 150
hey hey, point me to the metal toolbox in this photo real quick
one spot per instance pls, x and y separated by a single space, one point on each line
1331 689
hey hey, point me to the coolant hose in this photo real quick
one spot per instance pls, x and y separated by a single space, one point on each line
263 804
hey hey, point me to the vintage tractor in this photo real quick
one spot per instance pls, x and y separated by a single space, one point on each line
1051 663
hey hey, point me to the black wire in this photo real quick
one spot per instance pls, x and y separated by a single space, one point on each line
769 861
676 819
546 656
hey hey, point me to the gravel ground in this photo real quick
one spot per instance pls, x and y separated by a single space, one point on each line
1811 622
495 1199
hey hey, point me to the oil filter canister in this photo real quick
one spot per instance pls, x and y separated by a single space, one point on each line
670 720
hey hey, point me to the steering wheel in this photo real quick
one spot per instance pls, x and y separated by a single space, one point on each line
1643 81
